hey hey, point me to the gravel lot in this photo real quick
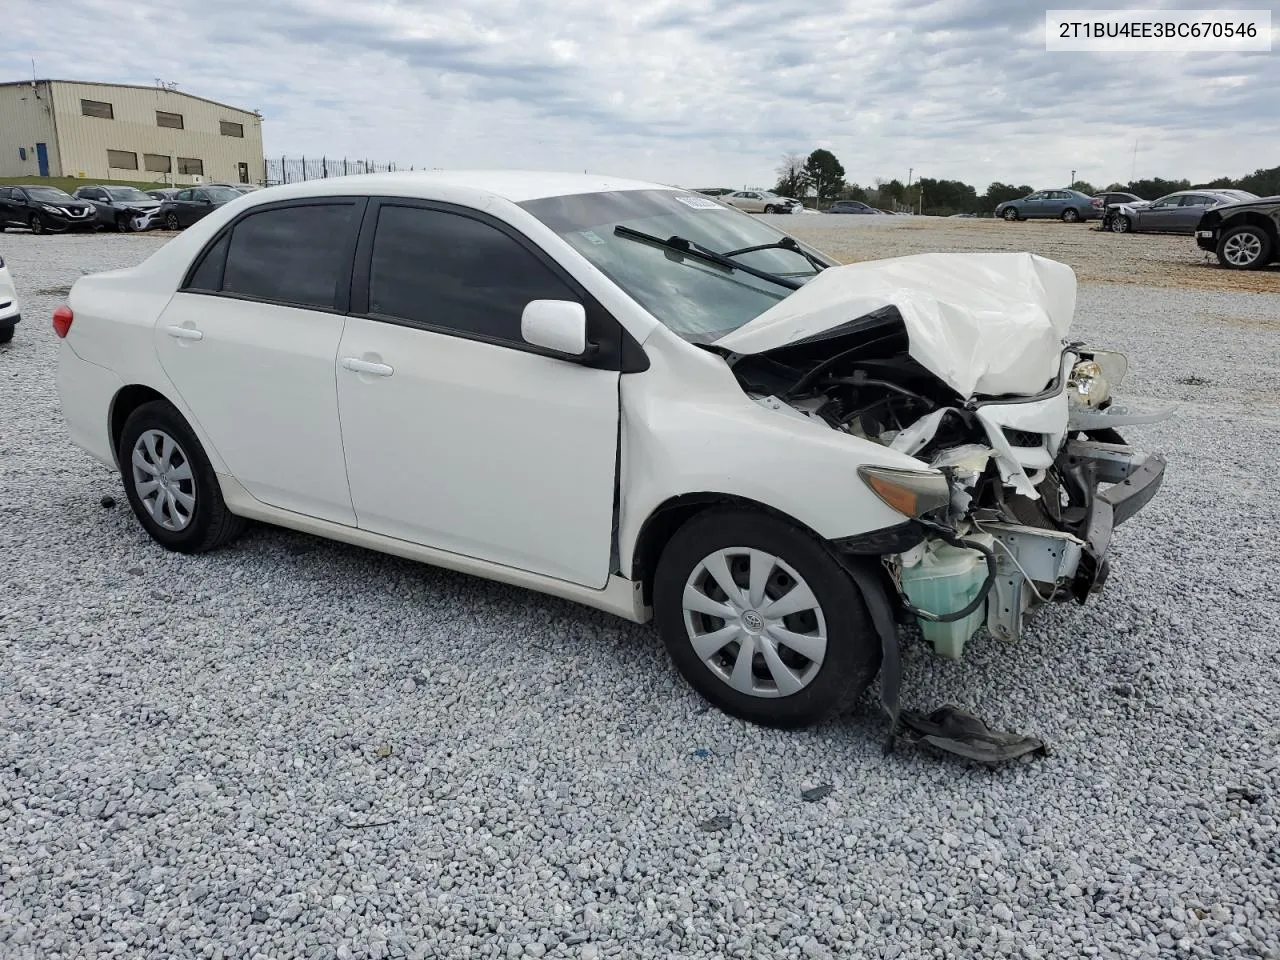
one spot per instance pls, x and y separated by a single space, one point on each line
294 748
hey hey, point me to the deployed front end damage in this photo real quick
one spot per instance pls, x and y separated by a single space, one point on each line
962 361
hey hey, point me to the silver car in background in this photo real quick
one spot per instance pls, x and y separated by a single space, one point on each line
1173 213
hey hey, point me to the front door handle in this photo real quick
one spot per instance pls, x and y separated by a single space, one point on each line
356 365
185 333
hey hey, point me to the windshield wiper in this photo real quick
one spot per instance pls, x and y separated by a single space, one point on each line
690 249
786 243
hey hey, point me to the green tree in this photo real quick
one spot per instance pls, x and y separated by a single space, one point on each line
1084 186
945 197
1157 187
997 193
1265 183
852 191
825 174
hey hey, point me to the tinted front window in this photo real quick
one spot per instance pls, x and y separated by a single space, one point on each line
450 271
698 300
289 255
221 194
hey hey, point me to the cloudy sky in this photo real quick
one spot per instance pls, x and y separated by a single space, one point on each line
694 92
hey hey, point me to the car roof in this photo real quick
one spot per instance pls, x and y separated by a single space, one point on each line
515 186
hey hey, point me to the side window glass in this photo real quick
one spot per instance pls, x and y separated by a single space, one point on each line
208 273
291 255
182 195
449 271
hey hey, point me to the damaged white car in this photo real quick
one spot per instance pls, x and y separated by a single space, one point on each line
623 394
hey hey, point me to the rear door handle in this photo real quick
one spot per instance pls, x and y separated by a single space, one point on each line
356 365
185 333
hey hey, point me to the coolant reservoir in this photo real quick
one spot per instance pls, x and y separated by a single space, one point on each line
941 578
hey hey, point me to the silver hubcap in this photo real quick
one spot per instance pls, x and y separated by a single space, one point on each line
1242 249
1011 214
754 622
163 481
1120 225
1070 216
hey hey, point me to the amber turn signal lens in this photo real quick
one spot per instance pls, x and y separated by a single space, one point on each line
910 492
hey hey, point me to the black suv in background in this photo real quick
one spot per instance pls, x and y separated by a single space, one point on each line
1245 235
117 206
44 210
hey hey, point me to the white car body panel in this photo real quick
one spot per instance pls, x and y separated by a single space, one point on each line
527 444
8 296
261 384
989 323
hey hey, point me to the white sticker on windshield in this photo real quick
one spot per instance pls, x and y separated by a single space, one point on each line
699 203
592 236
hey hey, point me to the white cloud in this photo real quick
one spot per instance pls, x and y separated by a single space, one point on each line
694 92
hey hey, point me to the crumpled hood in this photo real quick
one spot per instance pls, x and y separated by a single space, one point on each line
984 323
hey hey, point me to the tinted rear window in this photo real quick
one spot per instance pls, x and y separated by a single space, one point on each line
291 255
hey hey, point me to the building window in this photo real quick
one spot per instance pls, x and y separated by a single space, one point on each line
122 160
189 166
168 120
230 129
157 163
96 108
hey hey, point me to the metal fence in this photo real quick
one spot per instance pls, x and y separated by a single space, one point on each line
285 169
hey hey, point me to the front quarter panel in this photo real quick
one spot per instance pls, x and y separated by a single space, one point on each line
688 428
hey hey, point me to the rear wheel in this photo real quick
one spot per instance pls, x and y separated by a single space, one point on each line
170 483
1010 214
1245 248
1071 215
762 620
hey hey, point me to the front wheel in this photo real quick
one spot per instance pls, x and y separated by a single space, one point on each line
762 620
171 222
123 225
1071 215
769 208
1010 215
1122 224
36 224
6 332
170 483
1244 248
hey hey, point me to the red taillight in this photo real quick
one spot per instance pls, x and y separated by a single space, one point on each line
62 318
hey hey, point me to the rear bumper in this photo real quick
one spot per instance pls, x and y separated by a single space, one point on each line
86 392
1207 240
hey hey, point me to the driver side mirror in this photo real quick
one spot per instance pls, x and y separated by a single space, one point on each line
559 325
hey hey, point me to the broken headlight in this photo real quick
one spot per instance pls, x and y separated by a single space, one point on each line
1094 376
911 492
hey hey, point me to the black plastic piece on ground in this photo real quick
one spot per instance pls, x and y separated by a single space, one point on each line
956 731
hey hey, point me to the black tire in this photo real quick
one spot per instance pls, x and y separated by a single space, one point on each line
1071 215
1261 248
211 524
6 332
1121 224
36 224
852 655
769 208
122 225
171 222
1010 215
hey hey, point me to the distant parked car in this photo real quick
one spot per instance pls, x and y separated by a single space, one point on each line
761 201
1108 201
187 206
1175 213
9 312
851 206
118 207
44 210
1071 206
1244 235
163 193
238 187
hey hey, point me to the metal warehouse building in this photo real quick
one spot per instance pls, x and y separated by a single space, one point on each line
115 131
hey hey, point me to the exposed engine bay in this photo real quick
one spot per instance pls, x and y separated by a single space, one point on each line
1035 480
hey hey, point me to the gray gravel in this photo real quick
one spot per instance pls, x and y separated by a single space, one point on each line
294 748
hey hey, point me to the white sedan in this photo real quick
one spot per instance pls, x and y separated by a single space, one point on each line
10 313
761 201
623 394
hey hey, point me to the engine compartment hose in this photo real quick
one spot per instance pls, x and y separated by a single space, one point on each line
993 569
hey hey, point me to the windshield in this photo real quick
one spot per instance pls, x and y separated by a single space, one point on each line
48 194
126 193
222 194
699 300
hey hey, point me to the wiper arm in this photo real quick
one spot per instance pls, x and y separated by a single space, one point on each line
690 249
786 243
